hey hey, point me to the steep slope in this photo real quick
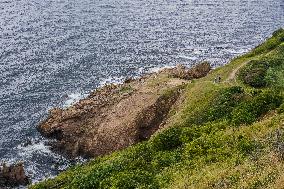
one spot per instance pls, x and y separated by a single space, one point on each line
223 135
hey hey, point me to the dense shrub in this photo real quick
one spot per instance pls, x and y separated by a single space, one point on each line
141 150
281 108
218 108
244 114
250 110
265 72
212 147
224 103
254 73
168 139
130 179
190 133
246 146
275 77
164 159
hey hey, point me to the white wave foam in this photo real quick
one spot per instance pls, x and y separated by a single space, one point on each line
141 71
73 98
34 147
197 51
112 80
27 152
192 58
159 68
238 51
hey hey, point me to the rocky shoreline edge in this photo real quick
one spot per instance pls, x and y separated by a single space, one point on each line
114 117
111 117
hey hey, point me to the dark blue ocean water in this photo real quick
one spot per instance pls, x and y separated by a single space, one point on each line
55 51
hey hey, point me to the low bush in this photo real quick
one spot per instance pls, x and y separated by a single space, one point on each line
130 179
224 103
218 108
210 148
275 77
266 72
250 110
253 74
281 108
168 139
246 146
164 159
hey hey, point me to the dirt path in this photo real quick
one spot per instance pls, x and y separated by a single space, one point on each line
232 76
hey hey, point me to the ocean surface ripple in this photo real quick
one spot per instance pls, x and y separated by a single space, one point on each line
54 52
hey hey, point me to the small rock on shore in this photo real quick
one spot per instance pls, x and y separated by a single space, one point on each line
13 175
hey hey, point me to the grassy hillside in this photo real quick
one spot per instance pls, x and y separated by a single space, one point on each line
224 135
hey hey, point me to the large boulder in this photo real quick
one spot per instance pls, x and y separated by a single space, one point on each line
13 175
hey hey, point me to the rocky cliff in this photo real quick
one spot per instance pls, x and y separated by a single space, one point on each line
116 116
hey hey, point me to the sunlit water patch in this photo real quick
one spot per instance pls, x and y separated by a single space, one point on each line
53 53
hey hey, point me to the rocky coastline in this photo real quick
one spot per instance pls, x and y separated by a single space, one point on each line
114 117
224 130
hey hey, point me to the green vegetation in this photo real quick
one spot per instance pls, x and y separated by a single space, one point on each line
225 135
126 89
254 73
270 44
249 111
266 71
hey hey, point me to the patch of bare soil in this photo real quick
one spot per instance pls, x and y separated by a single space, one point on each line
233 74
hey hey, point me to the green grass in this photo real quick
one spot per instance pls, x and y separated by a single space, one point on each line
126 89
226 135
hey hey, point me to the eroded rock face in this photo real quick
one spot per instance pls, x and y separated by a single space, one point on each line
180 71
102 124
115 116
13 175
